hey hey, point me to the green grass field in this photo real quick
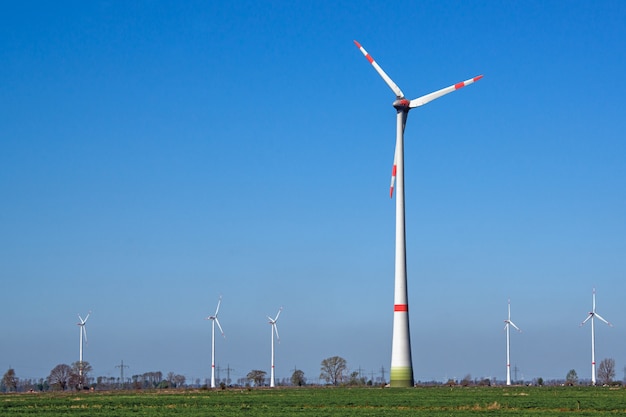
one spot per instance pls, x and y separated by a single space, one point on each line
319 402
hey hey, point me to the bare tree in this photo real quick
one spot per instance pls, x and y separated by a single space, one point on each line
80 374
606 371
356 378
297 378
9 380
170 379
179 380
333 369
175 380
571 378
256 376
60 376
150 379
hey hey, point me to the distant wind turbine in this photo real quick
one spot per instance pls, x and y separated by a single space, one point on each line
401 374
273 321
592 315
83 336
214 320
508 344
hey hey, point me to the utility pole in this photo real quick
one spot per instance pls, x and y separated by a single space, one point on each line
228 369
382 371
122 366
515 369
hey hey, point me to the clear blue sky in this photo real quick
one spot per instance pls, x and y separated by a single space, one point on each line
156 155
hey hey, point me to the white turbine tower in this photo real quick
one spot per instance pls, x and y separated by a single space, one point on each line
273 321
83 336
214 320
508 344
401 374
592 315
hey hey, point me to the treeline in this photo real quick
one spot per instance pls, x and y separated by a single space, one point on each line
77 377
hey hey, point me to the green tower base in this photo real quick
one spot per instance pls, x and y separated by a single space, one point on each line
401 376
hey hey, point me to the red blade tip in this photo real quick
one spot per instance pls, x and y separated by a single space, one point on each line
358 45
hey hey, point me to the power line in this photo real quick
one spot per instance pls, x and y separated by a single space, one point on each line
122 366
228 369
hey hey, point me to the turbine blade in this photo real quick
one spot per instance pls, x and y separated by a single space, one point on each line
87 318
279 310
85 333
380 71
393 171
593 302
420 101
588 317
276 330
218 325
509 309
218 306
513 324
601 318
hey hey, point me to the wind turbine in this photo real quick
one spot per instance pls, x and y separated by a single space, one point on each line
214 320
83 335
273 321
401 374
592 315
508 344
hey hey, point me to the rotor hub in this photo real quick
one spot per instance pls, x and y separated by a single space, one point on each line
401 104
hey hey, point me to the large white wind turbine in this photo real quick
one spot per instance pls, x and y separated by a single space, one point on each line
273 321
401 364
508 344
592 315
83 336
214 320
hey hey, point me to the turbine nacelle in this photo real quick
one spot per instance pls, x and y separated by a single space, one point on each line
83 328
83 321
510 323
272 322
214 319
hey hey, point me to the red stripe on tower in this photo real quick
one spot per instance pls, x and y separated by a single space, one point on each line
400 307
